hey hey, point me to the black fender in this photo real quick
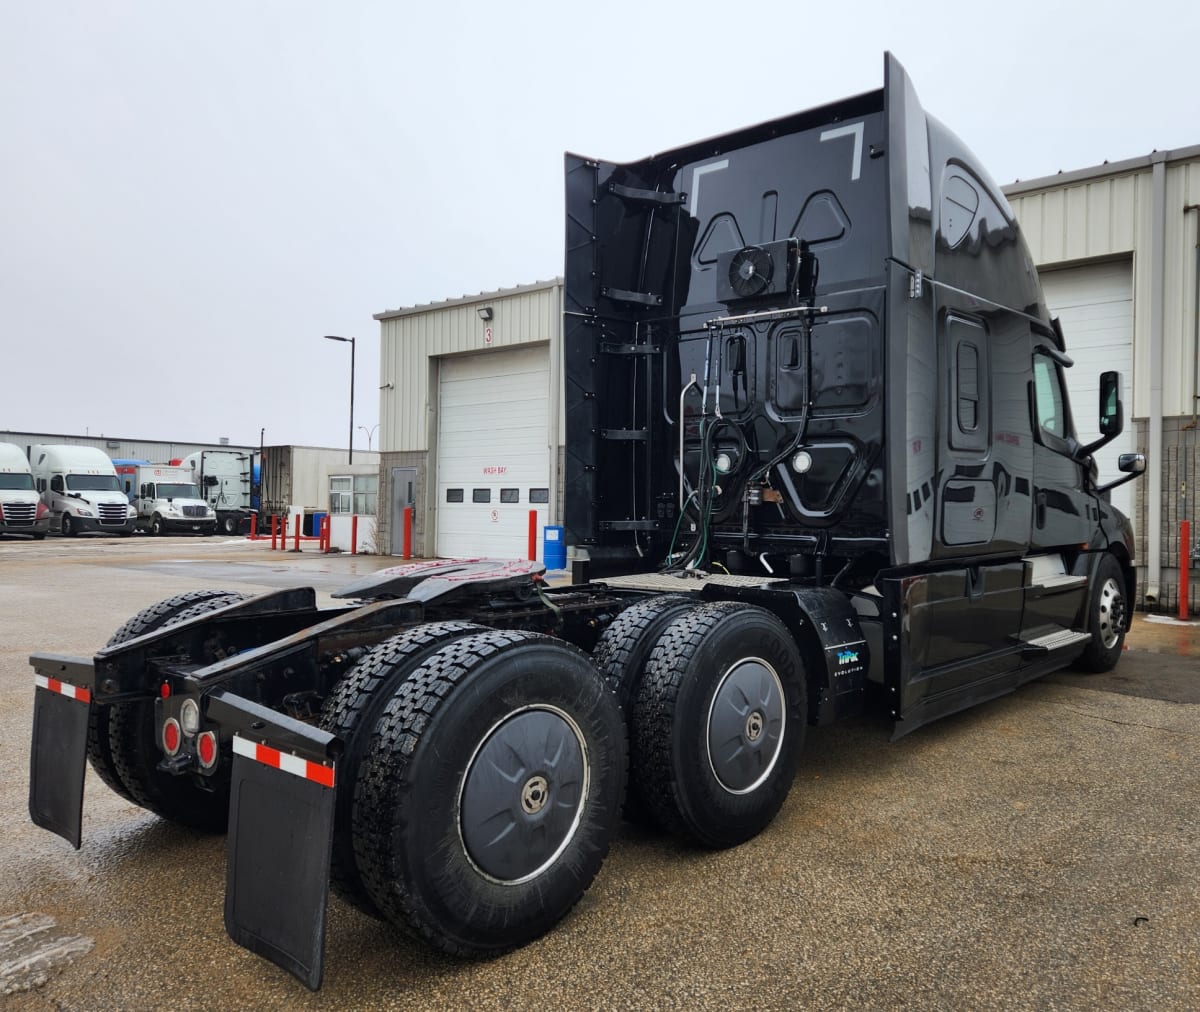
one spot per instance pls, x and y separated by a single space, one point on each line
832 644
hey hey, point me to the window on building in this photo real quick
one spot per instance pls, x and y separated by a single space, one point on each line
510 495
539 495
366 488
353 493
341 488
454 495
481 495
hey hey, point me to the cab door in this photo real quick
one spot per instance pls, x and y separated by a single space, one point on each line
1064 512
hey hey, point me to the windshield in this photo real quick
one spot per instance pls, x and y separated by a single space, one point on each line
16 482
177 491
92 483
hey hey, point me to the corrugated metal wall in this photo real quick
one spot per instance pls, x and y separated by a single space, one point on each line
412 339
155 451
1111 216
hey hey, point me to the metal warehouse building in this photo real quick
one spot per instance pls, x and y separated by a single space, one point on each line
471 405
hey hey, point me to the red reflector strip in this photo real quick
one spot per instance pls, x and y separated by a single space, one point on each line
293 764
63 688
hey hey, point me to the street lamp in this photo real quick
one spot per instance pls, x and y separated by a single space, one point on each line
350 341
370 432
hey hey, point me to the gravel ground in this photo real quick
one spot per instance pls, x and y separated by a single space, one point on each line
1041 851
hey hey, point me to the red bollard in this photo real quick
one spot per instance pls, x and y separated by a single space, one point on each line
1185 546
297 541
354 534
274 525
253 526
408 525
533 535
325 533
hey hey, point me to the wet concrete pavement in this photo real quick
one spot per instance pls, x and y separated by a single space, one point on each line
1042 850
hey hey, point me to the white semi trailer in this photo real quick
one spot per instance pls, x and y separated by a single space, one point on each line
225 478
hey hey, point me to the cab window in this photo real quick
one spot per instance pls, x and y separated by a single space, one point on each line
1050 403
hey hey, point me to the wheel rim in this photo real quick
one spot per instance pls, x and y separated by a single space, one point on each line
523 794
1112 613
747 719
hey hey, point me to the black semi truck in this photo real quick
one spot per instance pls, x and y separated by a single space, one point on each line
820 460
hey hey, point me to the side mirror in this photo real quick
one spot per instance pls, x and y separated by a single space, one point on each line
1132 464
1112 415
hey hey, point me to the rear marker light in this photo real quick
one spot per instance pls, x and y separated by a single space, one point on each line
206 749
171 736
164 690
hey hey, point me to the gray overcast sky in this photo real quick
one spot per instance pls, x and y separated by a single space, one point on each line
192 194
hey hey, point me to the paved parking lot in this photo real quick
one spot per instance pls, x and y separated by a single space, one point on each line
1040 851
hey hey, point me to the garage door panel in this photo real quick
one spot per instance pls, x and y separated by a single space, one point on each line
1095 306
493 434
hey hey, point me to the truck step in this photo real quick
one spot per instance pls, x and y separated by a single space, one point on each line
1060 639
1059 582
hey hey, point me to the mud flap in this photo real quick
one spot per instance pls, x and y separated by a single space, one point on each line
58 758
277 858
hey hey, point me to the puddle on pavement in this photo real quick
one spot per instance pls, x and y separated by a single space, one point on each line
30 948
1162 634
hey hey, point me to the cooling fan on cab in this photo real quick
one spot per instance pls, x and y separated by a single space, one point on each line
754 273
750 271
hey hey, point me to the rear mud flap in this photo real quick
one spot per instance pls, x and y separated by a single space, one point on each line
277 858
58 758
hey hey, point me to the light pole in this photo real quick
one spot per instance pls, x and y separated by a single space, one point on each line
350 341
370 432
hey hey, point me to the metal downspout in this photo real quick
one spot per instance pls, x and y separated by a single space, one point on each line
1157 258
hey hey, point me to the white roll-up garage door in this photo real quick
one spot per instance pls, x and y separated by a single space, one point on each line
493 457
1095 305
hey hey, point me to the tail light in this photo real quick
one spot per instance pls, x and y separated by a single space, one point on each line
206 749
172 736
42 510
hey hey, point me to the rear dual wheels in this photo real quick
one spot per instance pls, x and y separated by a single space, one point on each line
486 801
351 711
716 699
123 739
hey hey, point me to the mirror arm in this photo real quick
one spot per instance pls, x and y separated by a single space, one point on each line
1086 451
1119 481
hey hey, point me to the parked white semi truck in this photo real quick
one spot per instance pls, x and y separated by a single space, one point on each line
225 478
21 510
79 488
167 501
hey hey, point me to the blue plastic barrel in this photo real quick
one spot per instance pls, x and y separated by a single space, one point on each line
554 548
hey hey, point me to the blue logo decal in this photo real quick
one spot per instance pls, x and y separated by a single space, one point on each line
847 657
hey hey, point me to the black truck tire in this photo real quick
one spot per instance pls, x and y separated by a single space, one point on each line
123 740
624 647
487 801
351 711
718 724
156 526
68 526
99 749
1108 618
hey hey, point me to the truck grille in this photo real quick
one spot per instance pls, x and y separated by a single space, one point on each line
193 511
113 513
19 514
